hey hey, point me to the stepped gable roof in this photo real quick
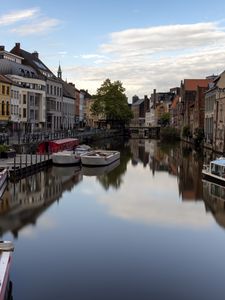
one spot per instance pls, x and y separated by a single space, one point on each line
32 60
192 84
5 79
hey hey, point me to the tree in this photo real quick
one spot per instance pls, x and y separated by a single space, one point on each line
165 119
110 103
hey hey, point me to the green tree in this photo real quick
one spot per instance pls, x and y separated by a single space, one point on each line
165 119
110 103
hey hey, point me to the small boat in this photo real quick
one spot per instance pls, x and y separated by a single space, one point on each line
215 171
99 171
6 248
99 157
72 157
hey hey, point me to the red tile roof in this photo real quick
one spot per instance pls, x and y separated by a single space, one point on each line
192 84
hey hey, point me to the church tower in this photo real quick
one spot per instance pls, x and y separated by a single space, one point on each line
59 72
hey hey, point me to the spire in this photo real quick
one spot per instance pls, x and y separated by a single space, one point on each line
59 72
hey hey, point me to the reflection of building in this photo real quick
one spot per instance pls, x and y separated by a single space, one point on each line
190 168
214 198
138 151
24 201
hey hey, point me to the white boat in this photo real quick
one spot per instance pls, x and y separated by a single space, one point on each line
99 157
68 157
6 249
215 171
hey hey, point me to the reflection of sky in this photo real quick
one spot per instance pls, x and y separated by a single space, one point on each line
150 200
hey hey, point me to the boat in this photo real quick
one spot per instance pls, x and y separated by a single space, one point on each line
70 157
215 171
3 180
99 157
6 248
99 171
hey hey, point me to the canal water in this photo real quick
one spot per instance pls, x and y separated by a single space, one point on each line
144 228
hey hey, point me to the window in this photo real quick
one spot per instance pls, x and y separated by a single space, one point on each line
3 108
24 113
7 108
3 89
7 90
24 99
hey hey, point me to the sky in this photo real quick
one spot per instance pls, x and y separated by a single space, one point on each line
145 44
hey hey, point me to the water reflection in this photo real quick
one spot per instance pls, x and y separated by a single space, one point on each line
23 202
148 174
178 160
214 198
176 178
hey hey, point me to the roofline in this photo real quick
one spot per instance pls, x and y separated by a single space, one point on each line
7 52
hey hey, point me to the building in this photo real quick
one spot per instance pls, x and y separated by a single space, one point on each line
5 96
54 94
189 94
214 124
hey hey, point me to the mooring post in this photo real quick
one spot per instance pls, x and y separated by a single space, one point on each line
14 164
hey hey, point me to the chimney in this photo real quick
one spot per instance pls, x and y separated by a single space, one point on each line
2 48
17 45
154 98
16 49
35 54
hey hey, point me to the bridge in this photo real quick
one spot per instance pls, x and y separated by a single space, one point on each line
145 132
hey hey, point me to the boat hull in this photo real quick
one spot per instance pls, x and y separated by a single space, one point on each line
65 158
100 158
213 178
5 263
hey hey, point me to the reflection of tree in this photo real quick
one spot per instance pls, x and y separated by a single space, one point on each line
114 178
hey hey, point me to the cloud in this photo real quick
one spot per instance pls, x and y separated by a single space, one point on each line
156 57
38 27
28 22
90 56
18 16
148 41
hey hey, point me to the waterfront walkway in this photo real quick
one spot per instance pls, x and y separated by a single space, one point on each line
24 164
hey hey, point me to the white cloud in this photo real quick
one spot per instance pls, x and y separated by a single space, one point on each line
155 57
18 16
28 22
147 41
38 27
90 56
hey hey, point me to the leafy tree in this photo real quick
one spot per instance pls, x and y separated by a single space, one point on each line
165 119
186 131
110 103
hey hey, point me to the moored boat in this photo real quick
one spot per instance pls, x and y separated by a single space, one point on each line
215 171
99 157
72 157
6 248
